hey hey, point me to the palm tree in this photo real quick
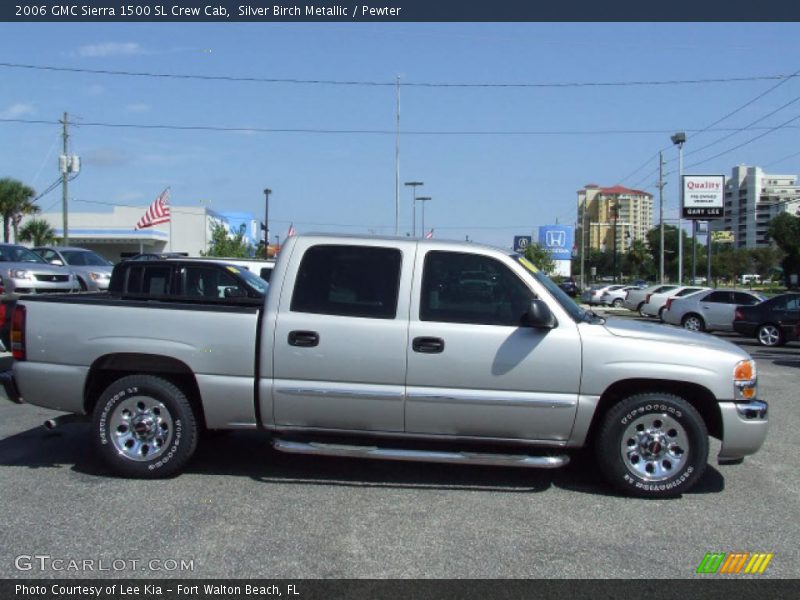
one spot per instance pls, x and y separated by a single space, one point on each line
16 200
38 232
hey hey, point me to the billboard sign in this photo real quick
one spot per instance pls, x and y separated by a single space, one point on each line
521 242
557 240
723 237
703 196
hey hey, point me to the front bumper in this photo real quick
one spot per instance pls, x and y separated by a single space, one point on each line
744 428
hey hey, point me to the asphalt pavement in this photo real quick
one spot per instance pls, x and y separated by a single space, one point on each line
242 510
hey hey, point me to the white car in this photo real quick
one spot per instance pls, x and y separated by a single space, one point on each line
615 298
655 304
635 299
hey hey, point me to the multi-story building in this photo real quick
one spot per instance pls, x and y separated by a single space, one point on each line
613 213
752 199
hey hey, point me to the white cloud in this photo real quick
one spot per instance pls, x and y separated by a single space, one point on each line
138 108
110 49
15 111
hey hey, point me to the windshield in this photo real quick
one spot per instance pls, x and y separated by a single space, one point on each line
254 282
19 254
84 258
567 303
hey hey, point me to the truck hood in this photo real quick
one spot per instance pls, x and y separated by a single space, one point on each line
662 333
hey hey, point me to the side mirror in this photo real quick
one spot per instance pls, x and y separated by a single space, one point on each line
539 316
233 292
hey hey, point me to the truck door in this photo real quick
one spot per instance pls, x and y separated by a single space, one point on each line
472 369
341 337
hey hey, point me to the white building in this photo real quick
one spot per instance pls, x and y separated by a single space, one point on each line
752 199
113 234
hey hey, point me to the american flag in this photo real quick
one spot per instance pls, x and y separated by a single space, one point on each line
292 231
429 235
157 213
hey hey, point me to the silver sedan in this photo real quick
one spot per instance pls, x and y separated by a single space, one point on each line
711 310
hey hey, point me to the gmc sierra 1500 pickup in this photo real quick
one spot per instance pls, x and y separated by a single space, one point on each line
397 349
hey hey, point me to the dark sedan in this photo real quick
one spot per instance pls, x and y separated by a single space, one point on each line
772 322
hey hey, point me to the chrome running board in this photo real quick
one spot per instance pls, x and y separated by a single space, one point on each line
466 458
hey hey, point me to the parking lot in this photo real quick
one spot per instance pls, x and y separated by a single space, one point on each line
243 510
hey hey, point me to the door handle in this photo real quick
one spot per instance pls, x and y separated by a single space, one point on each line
428 345
303 339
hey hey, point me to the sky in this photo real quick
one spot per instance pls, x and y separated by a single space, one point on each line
497 161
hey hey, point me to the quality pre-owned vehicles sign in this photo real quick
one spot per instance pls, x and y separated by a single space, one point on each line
703 196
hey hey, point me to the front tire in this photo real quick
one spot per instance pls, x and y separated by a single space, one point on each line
617 302
653 445
144 426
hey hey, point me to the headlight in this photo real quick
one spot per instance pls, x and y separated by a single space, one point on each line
99 276
20 274
744 380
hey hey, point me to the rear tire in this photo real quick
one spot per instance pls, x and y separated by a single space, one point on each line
652 445
770 335
693 322
144 426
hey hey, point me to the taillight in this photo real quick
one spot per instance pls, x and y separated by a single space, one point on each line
669 303
2 315
738 315
18 333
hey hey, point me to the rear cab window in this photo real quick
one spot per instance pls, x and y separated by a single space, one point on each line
352 281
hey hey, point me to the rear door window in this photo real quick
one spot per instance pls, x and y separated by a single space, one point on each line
352 281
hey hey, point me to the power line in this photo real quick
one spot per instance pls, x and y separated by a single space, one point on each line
366 83
225 129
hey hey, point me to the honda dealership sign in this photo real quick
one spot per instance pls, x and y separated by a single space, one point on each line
557 240
703 196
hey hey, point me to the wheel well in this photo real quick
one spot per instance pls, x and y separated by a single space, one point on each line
699 397
692 314
111 367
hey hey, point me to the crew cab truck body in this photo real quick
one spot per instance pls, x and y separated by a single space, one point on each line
375 347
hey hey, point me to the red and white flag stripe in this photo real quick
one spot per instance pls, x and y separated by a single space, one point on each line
157 212
292 231
429 235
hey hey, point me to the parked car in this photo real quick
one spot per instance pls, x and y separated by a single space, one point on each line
92 270
635 299
25 272
616 297
185 279
592 295
361 352
654 304
711 310
570 287
261 268
772 322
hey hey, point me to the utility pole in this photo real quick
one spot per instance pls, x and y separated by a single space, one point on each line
615 215
267 192
397 163
414 184
64 180
583 241
661 184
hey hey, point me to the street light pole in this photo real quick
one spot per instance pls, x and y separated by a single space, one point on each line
615 216
267 192
413 185
679 139
661 185
423 199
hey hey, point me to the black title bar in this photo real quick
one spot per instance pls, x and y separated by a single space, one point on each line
281 11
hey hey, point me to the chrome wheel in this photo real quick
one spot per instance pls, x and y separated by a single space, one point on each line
655 447
693 323
769 335
617 303
141 428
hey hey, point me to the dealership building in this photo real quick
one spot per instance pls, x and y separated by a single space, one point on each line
114 234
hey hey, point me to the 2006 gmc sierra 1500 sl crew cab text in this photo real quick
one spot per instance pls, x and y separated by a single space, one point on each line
394 349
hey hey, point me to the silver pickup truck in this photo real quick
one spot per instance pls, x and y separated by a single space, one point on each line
394 349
